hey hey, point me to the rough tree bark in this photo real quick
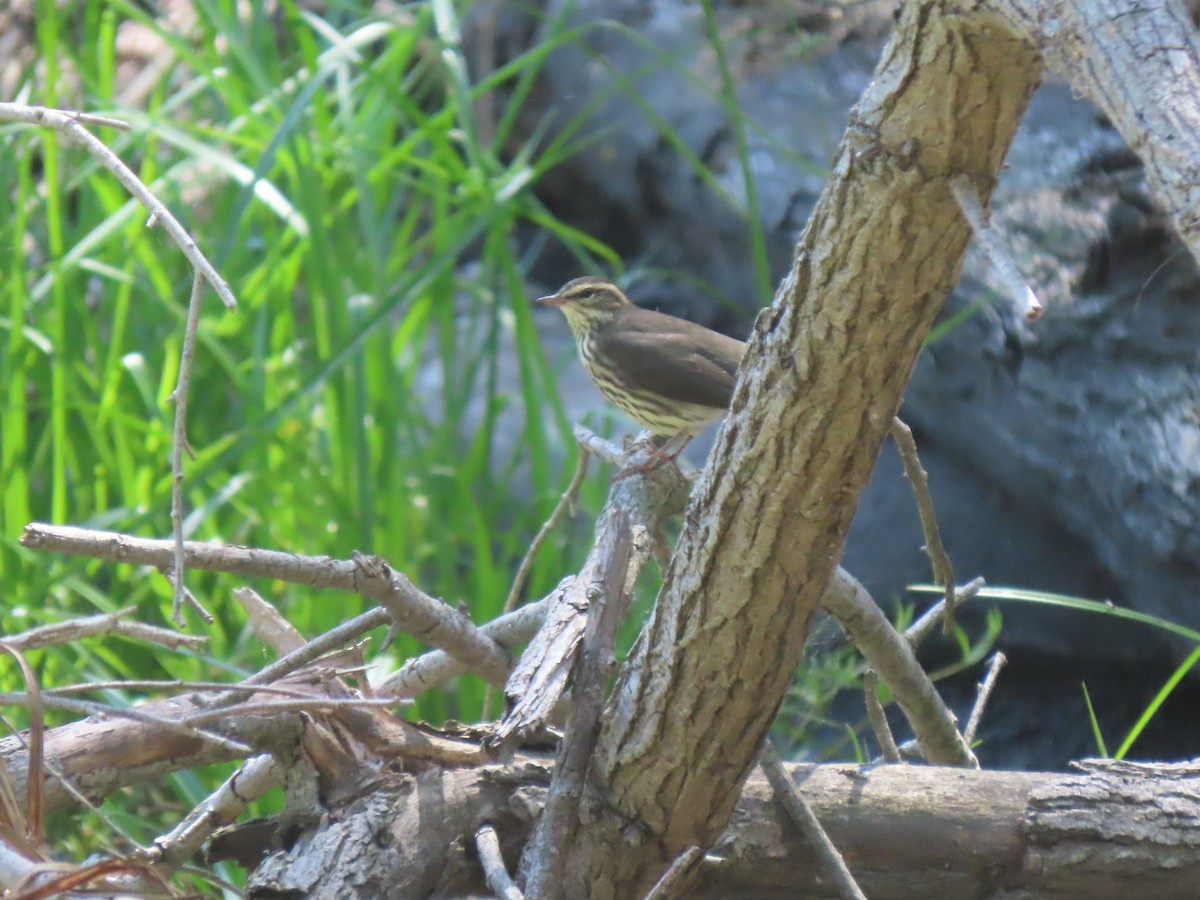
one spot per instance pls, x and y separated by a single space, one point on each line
906 832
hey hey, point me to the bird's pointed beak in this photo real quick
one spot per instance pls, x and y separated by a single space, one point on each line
550 300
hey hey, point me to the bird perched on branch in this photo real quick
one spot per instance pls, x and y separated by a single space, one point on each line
669 375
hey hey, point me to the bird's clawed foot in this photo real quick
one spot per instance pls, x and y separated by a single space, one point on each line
658 456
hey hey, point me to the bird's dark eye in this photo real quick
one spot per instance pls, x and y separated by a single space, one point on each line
587 294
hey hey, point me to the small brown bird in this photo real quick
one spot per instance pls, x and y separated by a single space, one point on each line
668 374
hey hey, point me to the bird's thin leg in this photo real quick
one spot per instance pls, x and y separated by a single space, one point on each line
674 457
659 455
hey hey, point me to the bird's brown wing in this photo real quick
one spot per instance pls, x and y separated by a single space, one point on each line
676 358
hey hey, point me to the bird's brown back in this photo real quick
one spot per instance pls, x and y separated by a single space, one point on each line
681 360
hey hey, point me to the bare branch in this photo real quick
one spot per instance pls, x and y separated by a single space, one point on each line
105 623
892 657
429 619
223 806
928 622
303 655
419 675
878 719
101 710
275 707
179 443
425 617
498 879
982 694
68 123
802 815
597 446
943 571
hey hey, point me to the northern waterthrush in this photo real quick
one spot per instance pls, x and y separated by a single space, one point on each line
669 375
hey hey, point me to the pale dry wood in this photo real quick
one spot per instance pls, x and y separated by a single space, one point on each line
928 622
982 694
103 624
99 756
642 500
607 601
540 677
488 846
223 806
268 623
419 675
179 445
423 616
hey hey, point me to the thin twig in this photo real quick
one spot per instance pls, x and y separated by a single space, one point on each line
982 694
302 656
101 710
928 622
174 685
671 880
993 247
943 571
274 707
179 443
223 806
429 670
87 118
487 843
104 623
68 123
892 657
878 718
565 502
802 815
597 446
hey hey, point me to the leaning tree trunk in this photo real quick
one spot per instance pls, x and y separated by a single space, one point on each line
823 378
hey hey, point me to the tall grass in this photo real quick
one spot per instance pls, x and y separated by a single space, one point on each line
334 171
